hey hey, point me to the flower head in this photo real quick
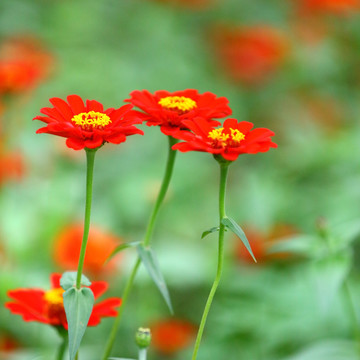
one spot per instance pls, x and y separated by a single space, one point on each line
335 7
88 125
47 306
250 54
229 141
171 336
100 245
169 110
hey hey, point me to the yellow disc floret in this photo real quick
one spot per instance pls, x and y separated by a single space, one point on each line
91 119
179 103
221 139
54 296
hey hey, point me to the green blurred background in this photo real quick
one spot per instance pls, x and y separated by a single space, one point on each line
305 88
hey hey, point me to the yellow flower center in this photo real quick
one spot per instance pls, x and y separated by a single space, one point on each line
91 119
221 139
181 104
54 296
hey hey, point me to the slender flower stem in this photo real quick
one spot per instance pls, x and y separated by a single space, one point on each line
62 348
146 241
224 167
142 354
90 158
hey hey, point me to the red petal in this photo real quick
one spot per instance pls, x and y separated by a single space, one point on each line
74 143
98 288
31 299
55 280
76 103
62 107
93 105
104 309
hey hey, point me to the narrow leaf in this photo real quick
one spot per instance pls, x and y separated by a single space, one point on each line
151 264
68 280
210 231
78 308
237 230
121 248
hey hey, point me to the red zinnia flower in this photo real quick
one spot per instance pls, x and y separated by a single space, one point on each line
336 7
250 54
169 110
99 246
88 126
170 336
229 141
47 306
261 243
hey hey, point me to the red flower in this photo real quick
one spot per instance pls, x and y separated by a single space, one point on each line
99 246
23 64
335 7
261 243
250 54
169 110
47 306
11 166
229 141
171 336
88 126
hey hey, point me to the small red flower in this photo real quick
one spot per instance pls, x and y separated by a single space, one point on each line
47 306
12 166
171 336
169 110
230 141
88 126
99 246
250 55
334 7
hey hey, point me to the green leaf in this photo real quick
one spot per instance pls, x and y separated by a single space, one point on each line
121 248
151 264
78 308
210 231
68 280
237 230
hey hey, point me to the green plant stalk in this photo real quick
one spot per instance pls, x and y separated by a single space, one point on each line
62 347
142 354
352 313
146 241
224 167
90 158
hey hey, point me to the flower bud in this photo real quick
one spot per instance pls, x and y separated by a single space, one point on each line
143 338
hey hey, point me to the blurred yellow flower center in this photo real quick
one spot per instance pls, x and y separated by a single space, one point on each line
178 103
54 296
91 119
221 139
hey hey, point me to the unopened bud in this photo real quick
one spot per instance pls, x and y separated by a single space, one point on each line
143 338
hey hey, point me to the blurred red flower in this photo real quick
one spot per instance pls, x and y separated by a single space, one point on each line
23 64
231 140
11 166
8 343
335 7
171 336
88 126
47 306
100 245
169 110
250 54
261 243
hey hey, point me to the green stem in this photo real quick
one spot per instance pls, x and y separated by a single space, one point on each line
142 354
224 166
62 348
90 158
352 314
146 241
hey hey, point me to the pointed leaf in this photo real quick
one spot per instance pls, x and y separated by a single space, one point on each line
78 308
121 248
208 232
68 280
237 230
151 264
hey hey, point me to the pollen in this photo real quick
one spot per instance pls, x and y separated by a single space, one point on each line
181 104
91 119
236 135
54 296
222 139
